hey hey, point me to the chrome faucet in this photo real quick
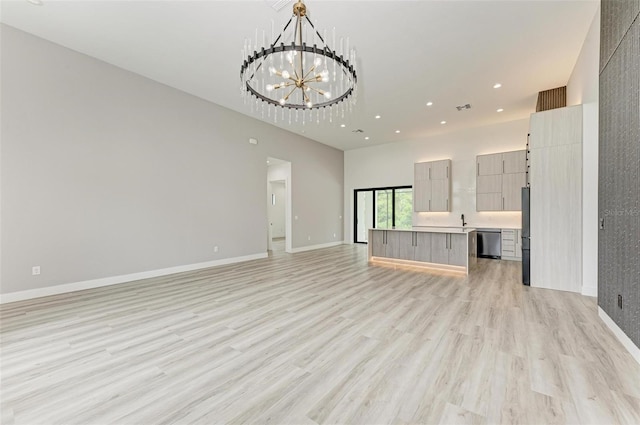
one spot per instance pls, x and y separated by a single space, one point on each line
463 222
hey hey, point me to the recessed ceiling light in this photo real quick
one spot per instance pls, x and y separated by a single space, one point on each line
366 138
342 125
36 2
429 103
443 122
497 85
397 131
377 117
499 110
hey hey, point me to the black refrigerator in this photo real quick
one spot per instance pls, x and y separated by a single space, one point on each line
526 235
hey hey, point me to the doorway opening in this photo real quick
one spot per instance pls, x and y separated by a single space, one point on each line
381 208
278 205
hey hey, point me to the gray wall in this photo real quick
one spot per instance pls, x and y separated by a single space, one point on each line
619 164
107 173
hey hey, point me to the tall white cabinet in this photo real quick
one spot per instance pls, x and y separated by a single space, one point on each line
555 176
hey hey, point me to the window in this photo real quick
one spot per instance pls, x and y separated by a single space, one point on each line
403 213
382 208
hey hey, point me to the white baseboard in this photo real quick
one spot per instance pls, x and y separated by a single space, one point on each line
590 291
114 280
622 337
312 247
511 258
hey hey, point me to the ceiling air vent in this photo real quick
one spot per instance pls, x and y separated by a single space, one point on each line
463 107
278 4
357 131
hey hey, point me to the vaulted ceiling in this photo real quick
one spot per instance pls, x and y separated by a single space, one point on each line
409 53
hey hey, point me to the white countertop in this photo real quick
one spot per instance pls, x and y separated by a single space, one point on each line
435 229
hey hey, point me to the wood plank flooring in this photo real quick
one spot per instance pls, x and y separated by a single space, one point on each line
318 337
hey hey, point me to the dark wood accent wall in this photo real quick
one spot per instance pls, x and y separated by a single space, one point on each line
619 165
552 99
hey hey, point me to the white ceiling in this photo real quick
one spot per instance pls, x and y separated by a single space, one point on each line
409 52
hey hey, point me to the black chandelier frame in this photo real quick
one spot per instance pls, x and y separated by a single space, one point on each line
345 67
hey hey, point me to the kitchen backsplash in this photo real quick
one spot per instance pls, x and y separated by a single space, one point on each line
501 220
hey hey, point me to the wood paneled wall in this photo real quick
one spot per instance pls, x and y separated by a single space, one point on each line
552 99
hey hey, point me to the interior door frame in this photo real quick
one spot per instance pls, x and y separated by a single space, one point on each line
373 210
284 175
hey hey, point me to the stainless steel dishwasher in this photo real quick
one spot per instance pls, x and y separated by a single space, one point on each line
489 243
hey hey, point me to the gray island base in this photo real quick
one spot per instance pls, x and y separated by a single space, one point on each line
434 248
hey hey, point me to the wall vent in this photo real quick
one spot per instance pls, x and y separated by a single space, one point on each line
552 99
278 5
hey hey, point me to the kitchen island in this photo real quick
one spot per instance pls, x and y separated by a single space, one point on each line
439 248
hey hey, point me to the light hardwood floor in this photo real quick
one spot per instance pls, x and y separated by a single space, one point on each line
318 337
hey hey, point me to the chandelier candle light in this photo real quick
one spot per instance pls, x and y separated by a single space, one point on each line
299 75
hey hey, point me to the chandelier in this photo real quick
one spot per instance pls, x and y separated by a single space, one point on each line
298 72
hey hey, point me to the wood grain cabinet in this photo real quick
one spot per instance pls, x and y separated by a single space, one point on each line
499 179
511 244
449 248
378 244
386 243
556 198
512 185
422 248
407 248
458 251
489 165
442 250
415 246
432 186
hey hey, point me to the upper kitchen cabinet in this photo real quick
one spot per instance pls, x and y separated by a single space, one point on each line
421 186
489 165
514 162
432 186
499 178
439 169
512 185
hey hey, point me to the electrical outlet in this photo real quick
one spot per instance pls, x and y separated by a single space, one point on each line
308 238
215 248
620 301
35 270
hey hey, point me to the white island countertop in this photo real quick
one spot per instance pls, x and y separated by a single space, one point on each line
434 229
